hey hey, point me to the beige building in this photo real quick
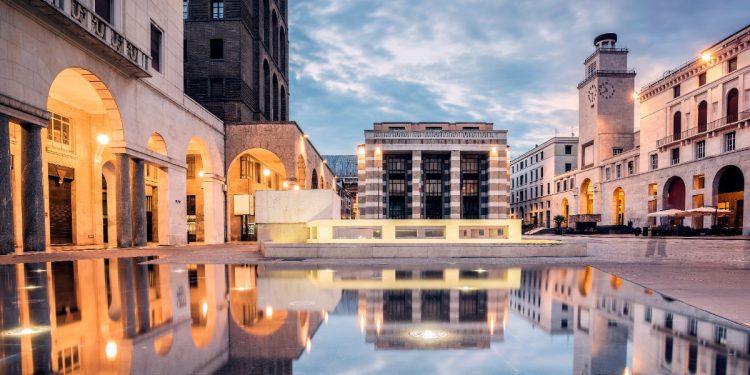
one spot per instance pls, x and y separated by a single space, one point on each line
433 171
690 149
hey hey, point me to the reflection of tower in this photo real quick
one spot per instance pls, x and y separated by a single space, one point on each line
434 310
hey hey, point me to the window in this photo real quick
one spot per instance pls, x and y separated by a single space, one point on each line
243 167
568 167
700 149
217 48
676 91
217 9
729 141
59 131
434 128
693 327
720 335
103 8
675 156
568 149
702 79
156 36
396 128
190 166
558 186
618 171
607 173
652 190
668 320
565 185
69 360
732 64
217 87
699 181
654 161
616 151
630 168
702 116
184 9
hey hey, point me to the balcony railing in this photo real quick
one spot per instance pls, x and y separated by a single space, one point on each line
606 73
435 134
701 129
94 33
605 49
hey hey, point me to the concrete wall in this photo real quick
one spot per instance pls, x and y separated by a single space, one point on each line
296 206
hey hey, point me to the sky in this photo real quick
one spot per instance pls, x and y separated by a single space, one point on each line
513 63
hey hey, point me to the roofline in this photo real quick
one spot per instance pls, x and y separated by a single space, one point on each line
543 145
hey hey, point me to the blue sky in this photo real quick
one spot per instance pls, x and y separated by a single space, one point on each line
513 63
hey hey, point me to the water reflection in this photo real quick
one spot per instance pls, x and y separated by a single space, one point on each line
126 316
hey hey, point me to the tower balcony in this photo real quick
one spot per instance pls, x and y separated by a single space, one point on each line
607 73
741 120
91 32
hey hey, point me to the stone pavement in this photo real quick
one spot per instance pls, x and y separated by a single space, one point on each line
710 273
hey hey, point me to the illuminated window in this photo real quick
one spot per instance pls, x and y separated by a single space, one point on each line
69 360
652 189
699 181
58 131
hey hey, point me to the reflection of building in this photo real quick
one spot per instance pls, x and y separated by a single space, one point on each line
544 299
433 171
690 150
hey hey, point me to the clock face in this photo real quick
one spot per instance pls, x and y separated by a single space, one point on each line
606 90
592 94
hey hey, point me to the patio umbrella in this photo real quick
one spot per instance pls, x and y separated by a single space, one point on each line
667 213
706 210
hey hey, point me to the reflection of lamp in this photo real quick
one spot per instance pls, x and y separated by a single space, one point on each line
296 187
308 345
269 312
110 350
200 174
428 334
103 139
204 309
285 185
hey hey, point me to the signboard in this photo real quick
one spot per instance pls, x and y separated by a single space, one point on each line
244 204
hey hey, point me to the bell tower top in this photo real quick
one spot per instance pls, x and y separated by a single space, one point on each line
607 40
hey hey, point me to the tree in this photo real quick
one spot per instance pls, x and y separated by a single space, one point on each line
559 220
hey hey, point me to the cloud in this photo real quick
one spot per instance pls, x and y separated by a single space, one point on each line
514 63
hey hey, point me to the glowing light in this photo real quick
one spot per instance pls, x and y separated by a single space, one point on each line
362 323
492 325
285 185
266 172
200 174
308 345
361 151
204 309
493 152
307 135
268 312
378 325
428 334
377 150
480 270
296 187
26 331
635 95
103 139
110 350
706 56
325 316
626 372
325 161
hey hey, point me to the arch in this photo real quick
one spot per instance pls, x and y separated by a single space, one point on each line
275 36
729 193
282 50
266 91
733 105
275 91
618 206
283 110
266 22
251 170
674 194
157 144
314 179
587 197
677 125
198 201
565 206
702 116
301 172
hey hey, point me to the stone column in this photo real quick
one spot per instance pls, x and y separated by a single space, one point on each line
139 203
416 184
361 182
32 196
494 185
10 346
7 238
141 295
124 222
127 295
39 316
455 184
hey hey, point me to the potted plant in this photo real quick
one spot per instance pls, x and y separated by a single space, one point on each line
558 223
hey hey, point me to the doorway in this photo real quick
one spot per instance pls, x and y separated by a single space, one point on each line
60 205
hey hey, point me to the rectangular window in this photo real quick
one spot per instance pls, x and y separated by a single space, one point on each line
396 128
565 185
702 79
720 335
618 171
698 200
732 64
568 149
616 151
607 173
700 149
58 131
217 48
668 320
652 190
243 167
675 156
103 9
156 36
693 327
729 141
654 161
217 87
568 167
190 166
217 9
676 91
630 168
647 315
184 9
699 181
558 186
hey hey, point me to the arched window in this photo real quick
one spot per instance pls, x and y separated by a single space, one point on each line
266 91
266 22
677 125
275 89
275 37
702 116
314 179
282 51
283 115
732 105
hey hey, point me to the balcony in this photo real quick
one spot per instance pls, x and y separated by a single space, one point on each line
606 73
91 32
713 126
436 134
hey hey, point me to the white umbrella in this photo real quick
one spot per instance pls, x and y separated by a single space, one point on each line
667 213
707 210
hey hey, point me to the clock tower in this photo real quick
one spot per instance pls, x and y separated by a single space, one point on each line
605 103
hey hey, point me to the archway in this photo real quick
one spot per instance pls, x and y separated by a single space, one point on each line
85 120
301 172
275 36
314 179
674 196
157 198
618 206
275 93
565 211
587 197
729 194
266 91
733 105
197 204
253 170
283 114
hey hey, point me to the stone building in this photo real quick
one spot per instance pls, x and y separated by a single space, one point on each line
345 169
532 176
690 149
433 171
236 58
